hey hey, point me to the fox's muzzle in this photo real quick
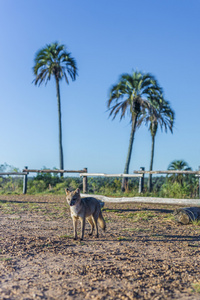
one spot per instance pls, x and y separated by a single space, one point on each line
72 203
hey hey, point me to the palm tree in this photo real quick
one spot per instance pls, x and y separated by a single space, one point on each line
179 165
131 95
158 114
54 60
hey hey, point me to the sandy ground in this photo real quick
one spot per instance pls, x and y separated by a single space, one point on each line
143 254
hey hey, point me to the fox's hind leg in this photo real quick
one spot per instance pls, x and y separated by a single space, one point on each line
95 218
101 221
90 220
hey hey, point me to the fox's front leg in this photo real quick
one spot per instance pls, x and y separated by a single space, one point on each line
75 221
82 227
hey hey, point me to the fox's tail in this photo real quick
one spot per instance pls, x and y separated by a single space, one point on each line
101 221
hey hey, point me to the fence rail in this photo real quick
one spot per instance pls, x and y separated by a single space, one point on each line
110 175
12 173
54 171
168 172
141 178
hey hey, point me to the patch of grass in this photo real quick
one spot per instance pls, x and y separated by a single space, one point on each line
15 208
110 210
7 208
15 218
141 216
169 217
66 236
81 243
131 215
136 229
193 245
122 238
5 258
108 220
196 287
56 207
196 223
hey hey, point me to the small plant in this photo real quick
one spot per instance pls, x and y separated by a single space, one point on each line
66 236
169 217
5 258
110 210
196 287
123 238
141 216
137 229
196 222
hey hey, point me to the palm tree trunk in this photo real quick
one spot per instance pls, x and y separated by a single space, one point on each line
151 162
59 127
128 159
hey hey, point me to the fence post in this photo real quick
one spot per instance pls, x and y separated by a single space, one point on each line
85 187
199 183
141 181
25 182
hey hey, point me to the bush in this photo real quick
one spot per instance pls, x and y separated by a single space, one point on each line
36 186
175 190
11 185
48 179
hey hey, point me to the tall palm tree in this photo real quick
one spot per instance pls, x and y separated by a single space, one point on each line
180 165
131 95
159 113
54 60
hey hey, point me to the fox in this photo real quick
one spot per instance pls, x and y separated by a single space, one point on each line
85 208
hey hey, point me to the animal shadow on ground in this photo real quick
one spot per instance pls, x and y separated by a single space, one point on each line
177 238
20 202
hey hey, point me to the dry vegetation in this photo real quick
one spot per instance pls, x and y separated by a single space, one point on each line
143 255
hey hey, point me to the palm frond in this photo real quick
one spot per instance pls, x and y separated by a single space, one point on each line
54 60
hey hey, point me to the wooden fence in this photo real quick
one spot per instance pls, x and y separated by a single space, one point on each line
26 171
196 173
84 173
141 173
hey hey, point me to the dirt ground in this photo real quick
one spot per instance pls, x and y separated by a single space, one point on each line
143 254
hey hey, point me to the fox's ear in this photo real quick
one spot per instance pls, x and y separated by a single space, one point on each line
67 191
77 191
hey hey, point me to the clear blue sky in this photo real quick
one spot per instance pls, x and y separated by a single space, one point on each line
107 38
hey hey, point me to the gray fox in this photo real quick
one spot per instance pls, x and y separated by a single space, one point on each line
85 208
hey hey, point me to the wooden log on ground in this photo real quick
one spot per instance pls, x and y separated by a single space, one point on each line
187 215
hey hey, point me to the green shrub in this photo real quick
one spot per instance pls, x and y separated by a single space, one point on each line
175 190
37 186
11 185
49 179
